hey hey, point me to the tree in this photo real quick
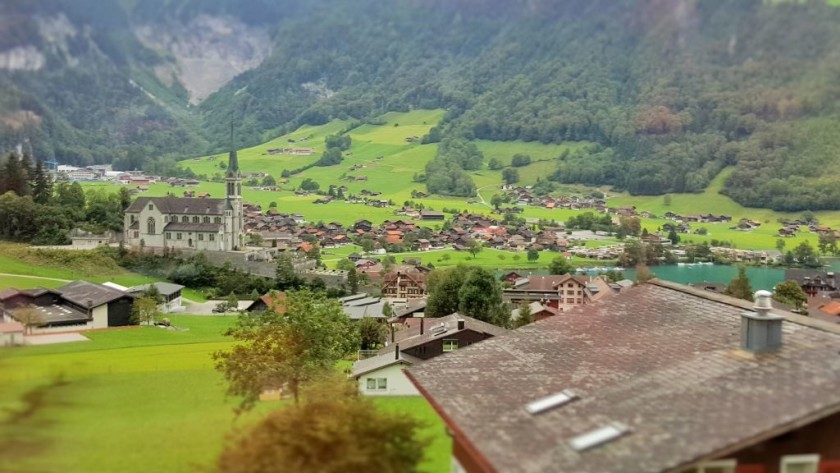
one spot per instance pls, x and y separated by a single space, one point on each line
533 255
520 160
560 265
667 200
480 297
672 235
806 255
443 286
790 293
29 317
495 164
474 246
780 245
269 181
496 201
285 275
353 280
144 310
510 176
372 333
334 430
309 185
41 184
827 243
740 286
387 310
284 351
643 273
525 315
232 301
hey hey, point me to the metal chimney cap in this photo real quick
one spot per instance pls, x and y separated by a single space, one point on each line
762 300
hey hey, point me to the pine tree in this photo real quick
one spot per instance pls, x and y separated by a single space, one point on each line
740 286
41 184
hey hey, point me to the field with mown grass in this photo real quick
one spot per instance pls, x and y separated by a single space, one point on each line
52 268
136 400
390 162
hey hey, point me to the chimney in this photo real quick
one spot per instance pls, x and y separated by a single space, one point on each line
89 303
397 352
761 331
421 326
460 324
392 332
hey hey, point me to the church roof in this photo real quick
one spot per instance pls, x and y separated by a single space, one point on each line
233 165
180 205
192 227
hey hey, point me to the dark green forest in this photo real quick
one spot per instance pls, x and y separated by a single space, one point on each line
669 92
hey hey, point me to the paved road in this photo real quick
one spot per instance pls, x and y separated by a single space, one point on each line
33 277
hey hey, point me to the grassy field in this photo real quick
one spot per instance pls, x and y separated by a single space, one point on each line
135 400
389 162
55 268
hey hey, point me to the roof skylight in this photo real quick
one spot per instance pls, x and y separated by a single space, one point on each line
599 436
555 400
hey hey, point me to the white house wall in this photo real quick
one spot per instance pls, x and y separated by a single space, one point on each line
398 383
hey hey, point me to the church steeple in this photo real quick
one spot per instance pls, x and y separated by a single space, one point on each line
233 162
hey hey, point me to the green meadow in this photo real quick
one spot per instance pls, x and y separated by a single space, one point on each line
388 163
137 400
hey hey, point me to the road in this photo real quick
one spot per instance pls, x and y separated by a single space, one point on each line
33 277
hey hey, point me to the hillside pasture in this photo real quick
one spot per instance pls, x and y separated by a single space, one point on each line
152 393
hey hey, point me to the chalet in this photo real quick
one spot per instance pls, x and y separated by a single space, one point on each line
813 282
606 389
561 292
274 300
538 311
511 277
404 285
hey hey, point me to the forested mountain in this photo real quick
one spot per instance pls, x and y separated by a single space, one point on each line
669 91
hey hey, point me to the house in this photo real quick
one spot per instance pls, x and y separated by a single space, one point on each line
273 300
433 337
511 277
171 294
561 292
404 285
813 282
665 378
78 305
383 375
11 334
360 306
538 311
82 239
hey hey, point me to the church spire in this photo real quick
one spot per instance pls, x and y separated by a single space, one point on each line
233 162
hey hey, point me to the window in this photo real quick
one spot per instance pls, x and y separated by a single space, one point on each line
196 219
177 236
450 345
570 292
218 220
136 234
168 235
151 207
200 237
150 226
206 219
212 237
185 219
376 384
800 463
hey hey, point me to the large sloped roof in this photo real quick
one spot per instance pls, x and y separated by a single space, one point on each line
661 359
180 205
81 292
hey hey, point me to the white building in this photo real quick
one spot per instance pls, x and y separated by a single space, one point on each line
383 375
11 334
191 223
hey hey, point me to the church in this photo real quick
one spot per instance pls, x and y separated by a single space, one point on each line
190 223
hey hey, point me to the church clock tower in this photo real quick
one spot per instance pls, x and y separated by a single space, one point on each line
234 216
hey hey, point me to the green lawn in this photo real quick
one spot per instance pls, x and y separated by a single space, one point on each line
135 400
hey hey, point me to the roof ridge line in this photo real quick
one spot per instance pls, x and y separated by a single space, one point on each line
747 305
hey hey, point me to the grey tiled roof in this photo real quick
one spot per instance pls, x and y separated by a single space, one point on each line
80 292
411 337
660 358
180 205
